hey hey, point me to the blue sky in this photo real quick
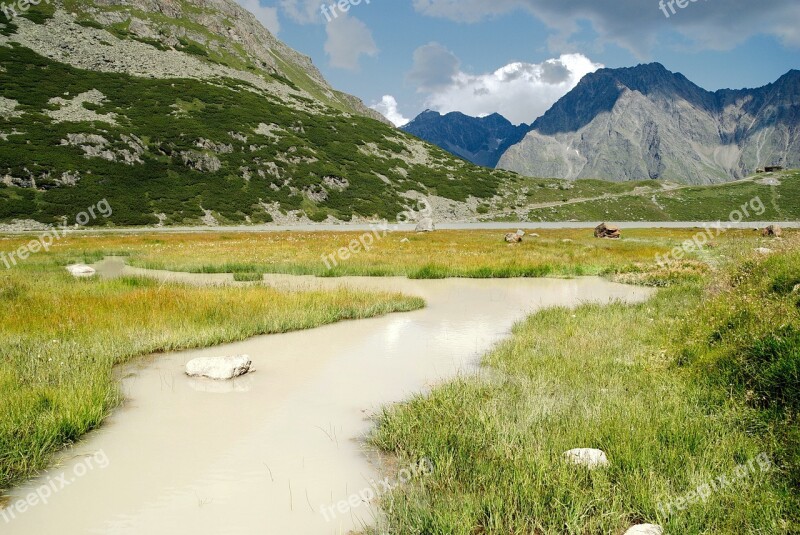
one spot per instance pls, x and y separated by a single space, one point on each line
517 57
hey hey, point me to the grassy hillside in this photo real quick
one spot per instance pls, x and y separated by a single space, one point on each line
528 199
178 149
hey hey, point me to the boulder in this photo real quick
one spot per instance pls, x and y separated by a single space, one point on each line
425 225
645 529
219 368
81 270
772 231
607 232
515 237
764 251
590 458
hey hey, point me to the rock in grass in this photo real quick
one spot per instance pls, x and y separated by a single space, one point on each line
645 529
590 458
772 231
219 368
515 237
426 225
764 251
81 270
607 232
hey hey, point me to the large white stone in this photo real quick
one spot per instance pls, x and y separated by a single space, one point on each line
645 529
81 270
426 225
219 368
590 458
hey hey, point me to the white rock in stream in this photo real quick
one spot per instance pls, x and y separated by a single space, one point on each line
645 529
219 368
81 270
587 457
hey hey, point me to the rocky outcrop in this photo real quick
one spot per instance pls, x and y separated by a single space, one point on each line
201 161
648 123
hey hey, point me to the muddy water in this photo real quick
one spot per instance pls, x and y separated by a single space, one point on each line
268 453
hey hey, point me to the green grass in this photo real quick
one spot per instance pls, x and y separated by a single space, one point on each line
678 391
62 339
652 203
463 253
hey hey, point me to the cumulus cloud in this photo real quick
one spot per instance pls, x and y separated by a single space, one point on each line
634 24
389 109
303 11
435 67
519 91
268 16
348 40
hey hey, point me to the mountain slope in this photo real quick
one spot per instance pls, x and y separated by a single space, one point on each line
648 123
479 140
182 112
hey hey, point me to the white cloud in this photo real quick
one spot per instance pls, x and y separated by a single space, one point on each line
348 40
388 108
519 91
268 16
435 67
304 11
636 25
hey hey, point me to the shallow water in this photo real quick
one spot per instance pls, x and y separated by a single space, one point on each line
269 452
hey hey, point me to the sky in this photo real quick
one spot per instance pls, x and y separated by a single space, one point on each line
518 57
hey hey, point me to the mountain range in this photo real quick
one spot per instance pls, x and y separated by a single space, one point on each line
641 123
481 140
191 112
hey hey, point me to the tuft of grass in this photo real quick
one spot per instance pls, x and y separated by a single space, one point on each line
248 277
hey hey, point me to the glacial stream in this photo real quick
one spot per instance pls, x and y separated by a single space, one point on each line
275 451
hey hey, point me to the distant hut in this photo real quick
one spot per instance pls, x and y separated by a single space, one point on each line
773 168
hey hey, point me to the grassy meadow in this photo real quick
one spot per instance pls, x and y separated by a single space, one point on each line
458 253
679 391
63 337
